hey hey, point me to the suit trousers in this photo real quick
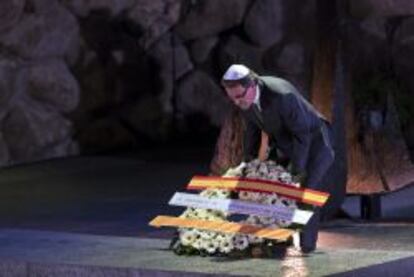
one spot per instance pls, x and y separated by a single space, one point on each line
321 157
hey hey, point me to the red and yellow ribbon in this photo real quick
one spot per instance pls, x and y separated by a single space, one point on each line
308 196
222 226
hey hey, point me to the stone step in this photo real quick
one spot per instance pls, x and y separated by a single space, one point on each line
348 249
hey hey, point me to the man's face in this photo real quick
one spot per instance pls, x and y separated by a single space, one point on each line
241 96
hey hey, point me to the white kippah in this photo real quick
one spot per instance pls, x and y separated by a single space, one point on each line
236 72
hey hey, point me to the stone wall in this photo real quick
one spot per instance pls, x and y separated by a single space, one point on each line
39 41
86 76
380 48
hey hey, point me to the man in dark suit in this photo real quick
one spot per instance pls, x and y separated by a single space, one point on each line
294 127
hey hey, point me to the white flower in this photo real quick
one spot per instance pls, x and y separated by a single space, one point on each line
254 239
186 214
190 213
207 235
183 230
240 242
198 233
210 245
266 220
210 214
295 185
223 194
197 244
283 223
202 214
187 238
272 199
226 244
263 170
252 220
249 196
220 237
285 177
205 214
244 195
261 197
221 214
215 193
207 192
270 163
224 236
290 203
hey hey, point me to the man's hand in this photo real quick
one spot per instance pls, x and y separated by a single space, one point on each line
235 171
297 177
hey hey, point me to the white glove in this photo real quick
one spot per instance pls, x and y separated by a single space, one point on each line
235 171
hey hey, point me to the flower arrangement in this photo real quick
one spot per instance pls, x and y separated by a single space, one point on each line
192 241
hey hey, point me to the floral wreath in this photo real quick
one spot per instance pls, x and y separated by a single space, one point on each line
191 241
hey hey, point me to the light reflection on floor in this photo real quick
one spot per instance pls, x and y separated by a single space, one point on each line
369 236
294 264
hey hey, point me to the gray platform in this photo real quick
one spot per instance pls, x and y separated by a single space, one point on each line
349 249
88 217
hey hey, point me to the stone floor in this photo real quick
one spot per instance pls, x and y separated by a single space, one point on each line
385 250
88 216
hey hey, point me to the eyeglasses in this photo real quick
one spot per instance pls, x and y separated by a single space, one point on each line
241 95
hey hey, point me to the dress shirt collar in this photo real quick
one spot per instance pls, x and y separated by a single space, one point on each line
257 98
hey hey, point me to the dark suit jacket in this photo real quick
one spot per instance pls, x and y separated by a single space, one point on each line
287 117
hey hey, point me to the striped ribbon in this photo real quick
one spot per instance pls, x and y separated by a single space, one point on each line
222 226
278 211
304 195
